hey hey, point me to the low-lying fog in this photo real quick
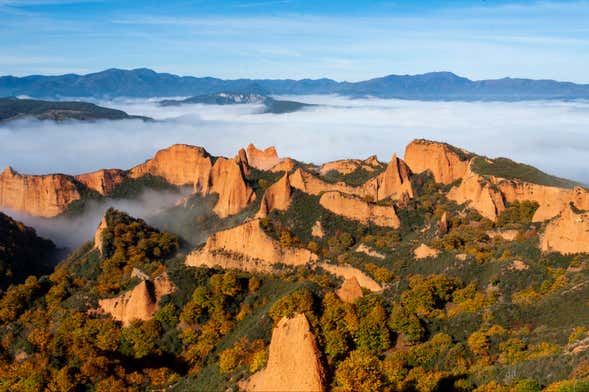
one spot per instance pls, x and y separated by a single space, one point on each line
553 136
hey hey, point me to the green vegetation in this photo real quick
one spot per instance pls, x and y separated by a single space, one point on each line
506 168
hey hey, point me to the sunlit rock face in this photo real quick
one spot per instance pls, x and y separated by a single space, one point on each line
103 181
46 196
293 361
262 159
446 163
568 233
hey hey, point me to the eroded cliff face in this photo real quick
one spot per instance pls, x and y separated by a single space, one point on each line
568 233
227 180
140 303
446 163
347 166
179 164
350 290
285 165
102 181
348 272
247 247
293 360
359 210
276 197
262 159
393 182
98 243
479 194
46 196
310 184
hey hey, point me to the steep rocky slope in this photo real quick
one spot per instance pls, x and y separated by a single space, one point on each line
293 361
445 162
262 159
567 233
276 197
357 209
103 181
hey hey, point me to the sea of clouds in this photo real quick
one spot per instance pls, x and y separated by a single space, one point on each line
553 136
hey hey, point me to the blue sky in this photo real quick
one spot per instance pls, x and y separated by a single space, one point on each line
343 40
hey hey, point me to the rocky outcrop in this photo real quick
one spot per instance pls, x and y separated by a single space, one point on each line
363 248
394 182
317 230
285 165
312 185
568 233
507 235
227 180
359 210
262 159
349 272
247 247
102 181
293 360
140 303
446 163
179 164
423 251
480 194
98 244
45 196
347 166
349 291
276 197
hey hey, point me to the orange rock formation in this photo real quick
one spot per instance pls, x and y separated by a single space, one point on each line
479 194
140 303
293 360
393 182
347 166
446 163
423 251
247 247
349 272
276 197
45 196
285 165
568 233
360 210
262 159
227 180
102 181
350 290
179 164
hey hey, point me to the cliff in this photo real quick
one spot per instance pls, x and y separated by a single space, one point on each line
102 181
98 244
347 166
276 197
359 210
285 165
350 290
46 196
227 180
393 182
310 184
568 233
446 163
140 303
293 360
247 247
262 159
348 272
479 194
179 164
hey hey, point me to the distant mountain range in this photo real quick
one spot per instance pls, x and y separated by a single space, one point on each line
13 108
147 83
270 104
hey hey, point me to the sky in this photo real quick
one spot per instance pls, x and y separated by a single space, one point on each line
342 40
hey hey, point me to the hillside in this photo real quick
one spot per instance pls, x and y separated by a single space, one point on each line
14 108
144 82
271 105
422 274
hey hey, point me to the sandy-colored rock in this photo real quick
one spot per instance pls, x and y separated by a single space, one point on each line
317 230
363 248
347 166
350 290
312 185
98 244
262 159
227 180
285 165
349 272
179 164
479 194
568 233
423 251
394 182
294 363
443 226
518 265
507 235
446 163
276 197
579 197
461 257
102 181
247 247
359 210
45 196
140 303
